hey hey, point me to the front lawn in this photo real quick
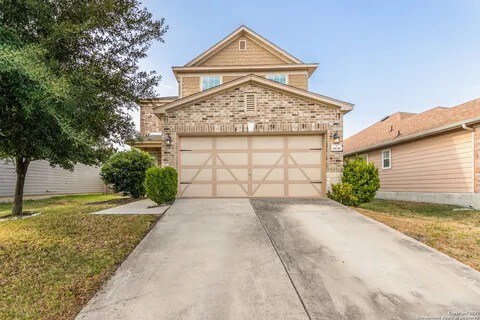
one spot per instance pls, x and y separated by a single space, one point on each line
53 263
453 232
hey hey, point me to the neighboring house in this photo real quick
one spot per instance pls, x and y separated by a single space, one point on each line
433 156
44 180
245 125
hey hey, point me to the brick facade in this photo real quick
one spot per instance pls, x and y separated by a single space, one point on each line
149 122
276 112
477 158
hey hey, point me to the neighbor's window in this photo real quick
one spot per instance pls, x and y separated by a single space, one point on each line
386 159
364 156
210 82
278 78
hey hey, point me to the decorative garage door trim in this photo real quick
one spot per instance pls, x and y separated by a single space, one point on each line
252 166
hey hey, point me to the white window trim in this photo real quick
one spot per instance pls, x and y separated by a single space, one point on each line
365 156
240 47
204 76
278 74
390 158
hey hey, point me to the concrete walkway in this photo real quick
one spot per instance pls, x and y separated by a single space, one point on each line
206 259
145 206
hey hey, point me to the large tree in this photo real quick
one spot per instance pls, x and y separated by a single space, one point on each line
68 76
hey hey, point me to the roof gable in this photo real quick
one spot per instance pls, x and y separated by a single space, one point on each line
259 50
400 126
342 105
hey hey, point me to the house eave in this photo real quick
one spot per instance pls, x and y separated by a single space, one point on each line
308 67
423 134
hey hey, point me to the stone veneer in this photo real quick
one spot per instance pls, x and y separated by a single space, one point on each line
276 112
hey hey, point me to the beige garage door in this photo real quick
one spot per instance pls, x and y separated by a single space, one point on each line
251 166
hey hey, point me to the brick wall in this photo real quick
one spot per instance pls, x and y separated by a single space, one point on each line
477 159
225 112
149 122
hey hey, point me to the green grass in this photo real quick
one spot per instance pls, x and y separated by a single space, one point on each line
453 232
53 263
405 208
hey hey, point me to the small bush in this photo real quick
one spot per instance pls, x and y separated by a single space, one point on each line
363 177
161 184
360 183
126 172
343 193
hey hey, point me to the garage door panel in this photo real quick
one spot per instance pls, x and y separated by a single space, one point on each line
304 190
196 190
196 143
268 190
305 142
232 174
312 174
267 142
197 174
232 159
229 143
267 158
268 174
196 159
305 158
232 190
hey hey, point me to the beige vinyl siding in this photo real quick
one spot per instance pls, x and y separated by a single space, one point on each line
230 78
231 55
190 85
298 80
43 179
442 163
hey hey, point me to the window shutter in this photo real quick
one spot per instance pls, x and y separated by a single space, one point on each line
250 103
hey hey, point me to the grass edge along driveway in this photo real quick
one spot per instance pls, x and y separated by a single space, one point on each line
453 232
53 263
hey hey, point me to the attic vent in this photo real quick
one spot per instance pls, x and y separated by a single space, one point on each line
250 103
242 45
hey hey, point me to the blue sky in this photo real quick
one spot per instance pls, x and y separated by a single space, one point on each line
383 56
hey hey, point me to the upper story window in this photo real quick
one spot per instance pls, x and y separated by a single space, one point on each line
210 82
386 159
242 45
278 78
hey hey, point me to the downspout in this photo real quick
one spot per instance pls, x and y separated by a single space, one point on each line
465 127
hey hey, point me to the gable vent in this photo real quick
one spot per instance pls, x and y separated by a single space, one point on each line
242 45
250 103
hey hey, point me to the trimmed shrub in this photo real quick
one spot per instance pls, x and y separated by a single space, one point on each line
360 183
343 193
126 172
363 177
161 184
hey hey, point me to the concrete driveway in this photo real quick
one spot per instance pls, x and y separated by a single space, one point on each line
281 259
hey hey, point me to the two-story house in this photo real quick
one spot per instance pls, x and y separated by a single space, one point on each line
245 125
